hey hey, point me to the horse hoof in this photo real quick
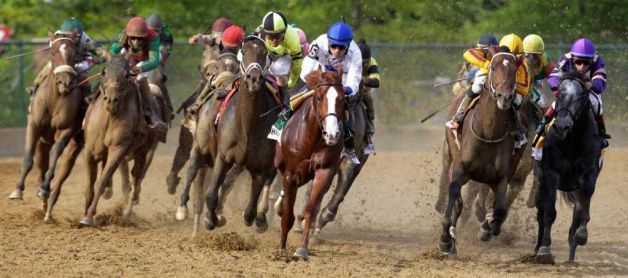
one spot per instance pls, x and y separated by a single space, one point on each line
86 222
248 221
544 255
108 193
43 194
315 238
261 224
297 229
209 225
48 219
221 221
16 195
182 213
172 181
446 247
581 236
328 216
278 206
301 253
484 234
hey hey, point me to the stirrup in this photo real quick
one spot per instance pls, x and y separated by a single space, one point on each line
370 147
522 140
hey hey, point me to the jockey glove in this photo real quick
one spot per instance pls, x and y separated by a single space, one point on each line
348 91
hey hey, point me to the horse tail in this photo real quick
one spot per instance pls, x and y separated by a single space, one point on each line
569 198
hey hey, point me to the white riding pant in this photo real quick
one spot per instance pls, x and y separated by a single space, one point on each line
281 67
478 82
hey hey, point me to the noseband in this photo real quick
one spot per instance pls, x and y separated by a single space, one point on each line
255 65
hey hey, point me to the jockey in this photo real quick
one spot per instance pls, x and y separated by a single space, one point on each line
510 43
370 81
486 46
218 27
540 65
284 50
230 42
143 45
305 46
89 51
332 50
582 58
160 28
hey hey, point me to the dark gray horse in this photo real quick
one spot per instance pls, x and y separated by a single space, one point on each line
571 162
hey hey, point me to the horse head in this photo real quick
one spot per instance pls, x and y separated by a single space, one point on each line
253 62
116 81
63 56
328 101
502 79
571 101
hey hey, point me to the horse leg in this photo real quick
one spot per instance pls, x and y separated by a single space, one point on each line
444 179
115 155
226 188
578 234
480 202
300 217
199 189
287 219
66 163
262 206
548 186
447 243
139 170
500 211
196 162
322 181
42 159
92 174
346 177
32 138
211 197
62 138
126 181
471 193
531 202
250 213
516 185
278 190
180 157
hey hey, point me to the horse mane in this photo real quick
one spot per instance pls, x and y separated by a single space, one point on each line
316 77
118 66
574 75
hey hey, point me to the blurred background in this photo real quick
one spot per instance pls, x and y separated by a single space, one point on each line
416 43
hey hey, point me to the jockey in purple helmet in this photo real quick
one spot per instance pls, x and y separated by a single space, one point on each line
583 58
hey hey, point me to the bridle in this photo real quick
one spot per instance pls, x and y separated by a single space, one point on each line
245 70
315 102
491 89
64 68
575 115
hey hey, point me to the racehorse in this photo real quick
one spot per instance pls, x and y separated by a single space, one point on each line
483 151
54 122
310 149
571 162
115 131
240 138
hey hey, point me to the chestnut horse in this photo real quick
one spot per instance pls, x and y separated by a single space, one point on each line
310 148
115 131
54 122
484 151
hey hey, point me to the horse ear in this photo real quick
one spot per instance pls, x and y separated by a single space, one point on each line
51 35
320 68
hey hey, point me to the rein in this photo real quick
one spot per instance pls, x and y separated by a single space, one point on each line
492 91
488 141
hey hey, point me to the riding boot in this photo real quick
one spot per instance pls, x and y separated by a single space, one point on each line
370 123
282 117
151 117
455 122
519 131
602 130
349 145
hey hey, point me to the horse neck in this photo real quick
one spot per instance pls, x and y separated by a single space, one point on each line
490 121
250 105
128 103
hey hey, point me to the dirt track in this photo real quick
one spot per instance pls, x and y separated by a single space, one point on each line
386 227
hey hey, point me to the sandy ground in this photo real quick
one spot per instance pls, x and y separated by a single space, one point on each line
386 227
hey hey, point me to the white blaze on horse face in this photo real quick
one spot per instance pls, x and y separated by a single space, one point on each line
331 122
505 63
63 52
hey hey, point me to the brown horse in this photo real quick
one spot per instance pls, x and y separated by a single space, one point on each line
484 151
54 122
310 149
347 171
208 67
114 131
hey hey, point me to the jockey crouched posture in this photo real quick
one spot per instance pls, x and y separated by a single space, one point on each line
331 50
512 44
540 65
370 81
229 43
142 45
582 58
157 25
89 52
